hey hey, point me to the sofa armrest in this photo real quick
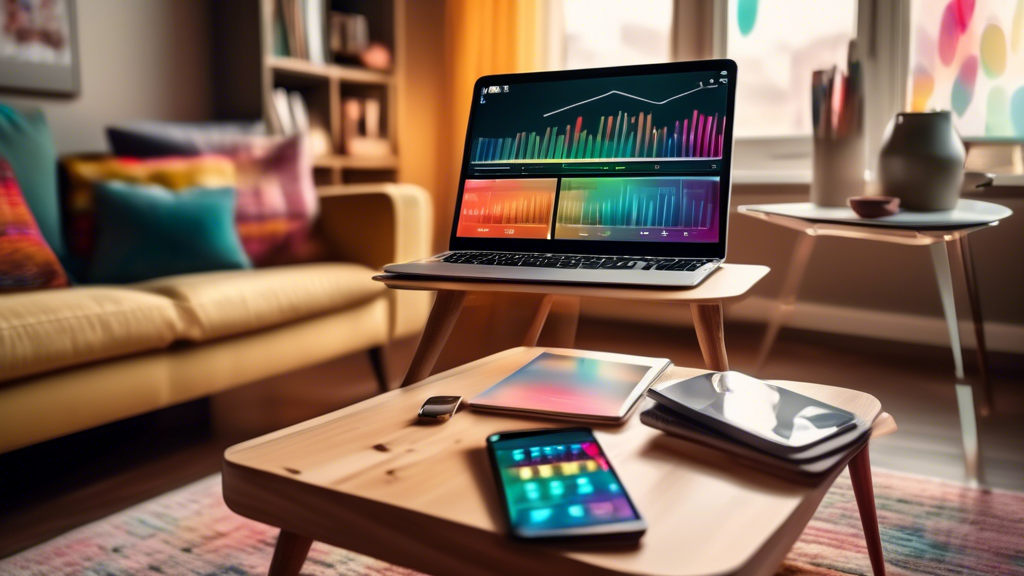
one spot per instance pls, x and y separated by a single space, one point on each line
377 224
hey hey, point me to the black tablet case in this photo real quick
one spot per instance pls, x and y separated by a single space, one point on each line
809 465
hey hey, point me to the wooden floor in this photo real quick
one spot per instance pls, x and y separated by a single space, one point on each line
54 487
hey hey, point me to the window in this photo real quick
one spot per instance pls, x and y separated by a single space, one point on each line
968 57
598 33
962 55
778 44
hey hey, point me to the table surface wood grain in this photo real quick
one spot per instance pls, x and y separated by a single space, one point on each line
370 479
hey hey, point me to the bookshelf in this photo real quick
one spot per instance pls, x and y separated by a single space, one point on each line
248 67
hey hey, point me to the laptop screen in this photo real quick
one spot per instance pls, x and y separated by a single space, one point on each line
599 161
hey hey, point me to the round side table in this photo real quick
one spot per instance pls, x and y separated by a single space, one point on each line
943 233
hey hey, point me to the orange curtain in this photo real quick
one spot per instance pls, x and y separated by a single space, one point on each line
482 37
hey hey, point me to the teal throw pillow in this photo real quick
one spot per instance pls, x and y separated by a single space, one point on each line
146 231
26 143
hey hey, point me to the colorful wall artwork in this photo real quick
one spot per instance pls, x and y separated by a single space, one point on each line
968 56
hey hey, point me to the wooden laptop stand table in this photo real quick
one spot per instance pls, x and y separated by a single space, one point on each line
729 282
940 231
369 479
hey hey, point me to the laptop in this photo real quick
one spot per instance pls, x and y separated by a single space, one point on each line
601 176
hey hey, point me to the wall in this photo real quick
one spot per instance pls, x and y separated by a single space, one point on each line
138 60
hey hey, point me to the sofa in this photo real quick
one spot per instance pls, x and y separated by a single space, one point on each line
79 357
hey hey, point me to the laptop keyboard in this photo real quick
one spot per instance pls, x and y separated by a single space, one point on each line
575 261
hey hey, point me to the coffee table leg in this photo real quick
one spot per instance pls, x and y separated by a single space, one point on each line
864 492
538 320
563 320
443 315
289 554
709 324
964 392
790 288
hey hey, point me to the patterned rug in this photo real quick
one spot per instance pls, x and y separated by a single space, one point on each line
928 527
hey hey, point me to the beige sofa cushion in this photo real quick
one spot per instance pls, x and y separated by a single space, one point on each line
50 329
53 404
218 304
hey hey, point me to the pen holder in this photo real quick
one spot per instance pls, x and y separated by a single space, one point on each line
838 170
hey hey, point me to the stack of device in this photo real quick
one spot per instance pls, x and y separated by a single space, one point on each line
769 427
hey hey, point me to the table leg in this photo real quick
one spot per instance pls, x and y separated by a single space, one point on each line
709 324
974 300
964 392
379 363
790 288
533 332
289 554
443 315
864 492
563 320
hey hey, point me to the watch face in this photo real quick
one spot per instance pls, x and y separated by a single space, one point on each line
440 407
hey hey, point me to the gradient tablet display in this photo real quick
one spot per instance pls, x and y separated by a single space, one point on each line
558 483
592 386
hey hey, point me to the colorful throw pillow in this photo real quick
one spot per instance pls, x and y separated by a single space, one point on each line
176 173
277 200
26 143
146 231
151 139
26 260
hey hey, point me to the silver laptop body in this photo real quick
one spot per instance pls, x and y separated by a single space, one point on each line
603 176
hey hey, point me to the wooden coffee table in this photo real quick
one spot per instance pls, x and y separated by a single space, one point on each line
369 479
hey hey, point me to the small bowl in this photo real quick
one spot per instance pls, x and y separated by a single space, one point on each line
874 206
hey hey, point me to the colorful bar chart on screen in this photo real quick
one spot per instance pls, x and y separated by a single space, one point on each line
507 208
619 137
679 209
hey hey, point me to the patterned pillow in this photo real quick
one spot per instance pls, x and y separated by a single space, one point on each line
176 173
277 200
27 261
151 139
26 143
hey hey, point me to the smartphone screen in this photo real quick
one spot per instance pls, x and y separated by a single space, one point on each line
559 483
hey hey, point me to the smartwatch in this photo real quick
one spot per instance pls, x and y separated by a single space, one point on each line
438 409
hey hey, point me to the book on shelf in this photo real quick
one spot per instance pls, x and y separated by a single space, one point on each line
300 115
281 113
289 115
314 12
299 29
349 34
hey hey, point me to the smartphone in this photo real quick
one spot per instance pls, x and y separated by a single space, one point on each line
558 484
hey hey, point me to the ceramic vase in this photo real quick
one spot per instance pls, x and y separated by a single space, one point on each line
922 161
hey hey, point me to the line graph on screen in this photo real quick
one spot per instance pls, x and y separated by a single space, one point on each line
605 129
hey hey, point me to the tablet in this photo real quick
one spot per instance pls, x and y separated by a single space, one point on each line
768 417
574 385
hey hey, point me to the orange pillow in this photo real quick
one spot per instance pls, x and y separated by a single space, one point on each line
175 172
26 260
